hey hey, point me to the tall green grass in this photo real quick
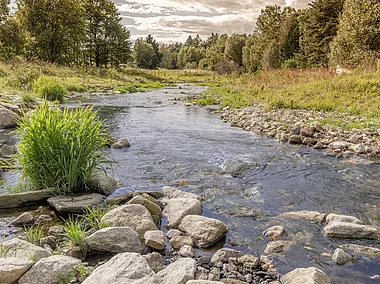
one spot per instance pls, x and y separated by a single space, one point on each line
49 89
60 149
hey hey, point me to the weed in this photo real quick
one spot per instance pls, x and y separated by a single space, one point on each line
49 89
75 230
27 98
34 234
93 217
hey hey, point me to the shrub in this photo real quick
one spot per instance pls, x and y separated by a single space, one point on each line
60 149
49 89
75 230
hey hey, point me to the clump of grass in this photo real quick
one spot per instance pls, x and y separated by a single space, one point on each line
75 230
34 234
206 101
93 217
27 98
127 89
49 89
60 149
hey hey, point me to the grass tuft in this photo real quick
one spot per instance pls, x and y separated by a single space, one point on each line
49 89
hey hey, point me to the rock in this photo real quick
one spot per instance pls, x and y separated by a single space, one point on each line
277 246
135 216
187 251
171 192
7 150
295 139
249 261
206 231
11 269
179 241
24 198
203 282
178 272
51 241
102 182
342 219
131 268
155 261
177 208
23 249
341 70
307 131
122 143
153 208
305 215
148 197
51 270
224 254
172 233
44 218
76 204
115 240
370 251
296 130
155 239
340 145
274 232
341 257
119 199
8 119
55 231
154 193
25 218
309 275
232 281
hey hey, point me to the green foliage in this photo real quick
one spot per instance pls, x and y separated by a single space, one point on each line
60 149
144 55
75 230
234 48
27 98
93 217
34 234
49 89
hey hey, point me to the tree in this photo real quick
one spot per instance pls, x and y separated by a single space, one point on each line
144 54
215 53
4 10
189 56
56 28
234 48
358 37
156 47
12 39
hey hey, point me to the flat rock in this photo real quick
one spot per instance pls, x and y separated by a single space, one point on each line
277 246
8 119
274 232
342 219
119 199
153 208
102 182
155 239
224 254
11 269
309 275
340 257
179 241
131 268
23 249
178 272
122 143
115 240
305 215
172 233
14 200
171 192
370 251
76 204
157 194
203 282
177 208
206 231
25 218
155 261
51 270
135 216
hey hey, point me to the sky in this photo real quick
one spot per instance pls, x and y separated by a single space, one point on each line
174 20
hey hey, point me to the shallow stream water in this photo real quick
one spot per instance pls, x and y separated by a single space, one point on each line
246 180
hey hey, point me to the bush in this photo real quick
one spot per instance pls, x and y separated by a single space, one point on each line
49 89
60 149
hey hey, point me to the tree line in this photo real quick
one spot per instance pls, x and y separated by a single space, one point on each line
89 32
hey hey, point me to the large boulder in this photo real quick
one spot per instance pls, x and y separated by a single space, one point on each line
14 200
11 269
309 275
305 215
102 182
131 268
153 208
23 249
115 240
76 204
224 254
370 251
206 231
134 216
177 208
8 119
52 270
178 272
171 192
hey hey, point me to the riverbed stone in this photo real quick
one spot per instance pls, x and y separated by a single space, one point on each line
340 257
177 208
178 272
155 261
179 241
186 251
122 143
340 145
203 282
155 239
135 216
102 182
295 139
12 268
131 268
119 199
153 208
23 249
370 251
157 194
7 150
14 200
171 192
76 204
51 270
172 233
206 231
277 246
274 232
8 119
309 275
115 240
24 219
313 216
224 254
307 131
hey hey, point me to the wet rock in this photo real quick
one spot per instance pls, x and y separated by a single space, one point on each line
154 193
155 261
23 249
119 199
370 251
153 208
295 139
310 142
131 268
224 254
277 246
155 239
44 218
23 198
102 182
172 233
51 270
332 218
25 218
341 257
179 241
171 192
274 232
307 131
76 204
310 275
206 231
115 240
135 216
122 143
186 251
11 269
178 272
313 216
8 119
177 208
249 261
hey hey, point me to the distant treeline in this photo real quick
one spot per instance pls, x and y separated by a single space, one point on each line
89 32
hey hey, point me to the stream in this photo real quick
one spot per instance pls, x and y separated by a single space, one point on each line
246 180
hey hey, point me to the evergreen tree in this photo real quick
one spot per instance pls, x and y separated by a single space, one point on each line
144 54
234 48
156 47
